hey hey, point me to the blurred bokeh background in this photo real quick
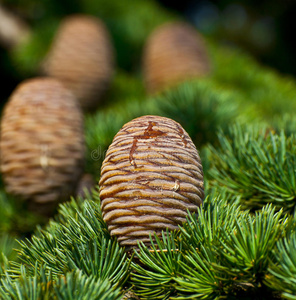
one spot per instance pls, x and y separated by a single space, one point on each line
265 29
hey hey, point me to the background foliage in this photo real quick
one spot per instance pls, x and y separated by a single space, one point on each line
241 242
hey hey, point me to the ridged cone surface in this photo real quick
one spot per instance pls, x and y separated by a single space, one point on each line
42 143
81 56
151 175
174 52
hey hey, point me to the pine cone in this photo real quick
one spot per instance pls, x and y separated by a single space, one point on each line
81 57
42 143
174 52
151 175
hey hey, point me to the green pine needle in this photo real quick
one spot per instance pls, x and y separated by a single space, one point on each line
8 244
256 165
202 107
283 269
267 91
79 242
163 258
42 285
220 252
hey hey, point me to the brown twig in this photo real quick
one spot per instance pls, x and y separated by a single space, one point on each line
13 30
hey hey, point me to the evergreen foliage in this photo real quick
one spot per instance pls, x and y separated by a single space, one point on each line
28 55
15 219
241 242
6 213
269 93
129 27
101 127
256 165
202 107
285 122
71 286
284 268
221 252
76 242
7 245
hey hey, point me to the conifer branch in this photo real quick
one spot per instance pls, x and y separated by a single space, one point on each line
257 166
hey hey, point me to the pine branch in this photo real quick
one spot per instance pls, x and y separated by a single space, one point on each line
154 276
205 228
285 122
124 88
202 107
80 241
42 285
176 267
75 285
257 166
247 250
7 212
220 252
8 244
283 269
33 287
267 91
15 219
234 259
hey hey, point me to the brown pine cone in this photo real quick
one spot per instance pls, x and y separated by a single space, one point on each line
174 52
81 56
151 175
42 144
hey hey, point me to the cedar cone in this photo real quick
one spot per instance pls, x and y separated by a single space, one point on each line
151 175
174 52
42 144
81 56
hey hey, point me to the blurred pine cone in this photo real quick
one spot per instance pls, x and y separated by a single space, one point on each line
174 52
151 176
42 143
81 56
